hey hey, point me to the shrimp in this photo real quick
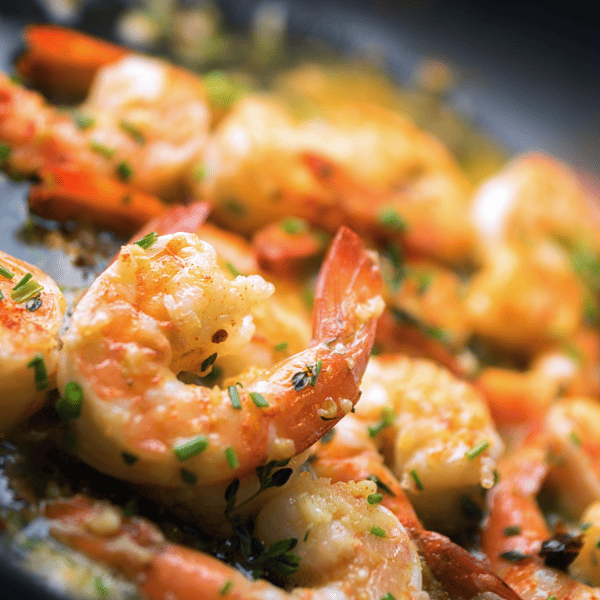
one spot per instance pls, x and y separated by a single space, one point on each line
165 309
435 432
144 122
31 313
351 454
515 529
347 548
368 168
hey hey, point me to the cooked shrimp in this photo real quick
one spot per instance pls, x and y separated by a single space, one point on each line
144 122
525 297
369 168
515 529
586 566
435 432
535 197
350 453
31 312
161 310
347 547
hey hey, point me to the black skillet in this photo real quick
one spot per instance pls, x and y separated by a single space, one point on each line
532 79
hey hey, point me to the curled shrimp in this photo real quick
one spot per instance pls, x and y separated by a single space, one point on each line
347 548
31 312
161 310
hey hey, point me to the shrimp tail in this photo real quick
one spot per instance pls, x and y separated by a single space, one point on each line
64 61
66 194
463 575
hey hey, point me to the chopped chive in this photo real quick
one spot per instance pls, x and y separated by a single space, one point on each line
132 130
375 530
26 292
381 484
124 170
129 459
188 477
100 148
147 241
306 534
514 556
416 479
200 172
232 269
389 217
374 498
25 279
4 153
208 362
387 419
477 449
6 273
39 372
1 295
234 206
231 457
280 347
234 396
316 369
191 447
585 525
33 304
598 544
294 226
551 597
512 530
258 399
69 404
388 596
575 438
100 587
81 120
226 588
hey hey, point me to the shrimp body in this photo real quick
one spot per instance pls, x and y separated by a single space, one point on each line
159 311
427 424
28 340
340 557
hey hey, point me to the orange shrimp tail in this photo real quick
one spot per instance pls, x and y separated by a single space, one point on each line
461 574
66 194
64 62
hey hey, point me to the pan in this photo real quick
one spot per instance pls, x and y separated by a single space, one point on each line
528 75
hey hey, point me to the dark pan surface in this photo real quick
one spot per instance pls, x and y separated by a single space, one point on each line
531 77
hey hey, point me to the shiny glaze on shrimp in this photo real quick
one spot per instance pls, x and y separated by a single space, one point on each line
28 341
156 312
348 548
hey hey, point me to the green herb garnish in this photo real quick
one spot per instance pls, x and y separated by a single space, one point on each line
147 241
477 449
191 447
39 372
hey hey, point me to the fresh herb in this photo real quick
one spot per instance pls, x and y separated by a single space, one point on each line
232 269
33 304
280 347
231 456
552 597
39 372
23 281
68 406
234 396
208 362
327 437
514 556
191 447
200 172
258 399
6 273
512 530
221 88
387 419
4 153
1 295
389 217
294 226
133 131
226 588
381 484
100 148
477 449
308 376
26 289
585 526
375 530
147 241
575 439
415 477
81 120
124 170
129 459
374 498
188 477
101 587
234 206
388 596
431 331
